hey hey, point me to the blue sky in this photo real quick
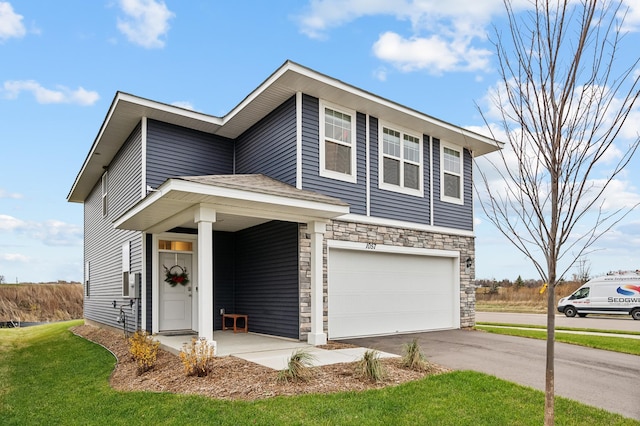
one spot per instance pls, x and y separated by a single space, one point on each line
62 62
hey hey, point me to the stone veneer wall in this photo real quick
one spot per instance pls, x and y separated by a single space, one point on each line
391 236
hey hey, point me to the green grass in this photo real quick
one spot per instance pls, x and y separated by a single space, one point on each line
609 343
49 376
544 327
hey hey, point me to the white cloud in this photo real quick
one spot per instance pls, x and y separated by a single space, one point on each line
434 54
14 257
50 232
61 94
5 194
10 22
145 23
10 223
443 33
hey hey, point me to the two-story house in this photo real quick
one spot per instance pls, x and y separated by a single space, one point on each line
316 208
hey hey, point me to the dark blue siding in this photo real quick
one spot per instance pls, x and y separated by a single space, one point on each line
352 193
269 147
266 278
393 205
223 275
449 214
176 151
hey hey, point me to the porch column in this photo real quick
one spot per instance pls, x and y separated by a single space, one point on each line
205 217
317 336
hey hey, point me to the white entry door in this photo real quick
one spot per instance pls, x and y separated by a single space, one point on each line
176 301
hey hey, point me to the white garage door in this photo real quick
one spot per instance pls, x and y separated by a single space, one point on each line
377 293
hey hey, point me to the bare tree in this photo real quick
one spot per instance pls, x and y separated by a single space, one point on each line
584 271
561 105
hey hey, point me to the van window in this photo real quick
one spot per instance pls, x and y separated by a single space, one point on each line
580 294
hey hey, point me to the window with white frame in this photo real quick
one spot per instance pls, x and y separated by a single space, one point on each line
105 186
400 161
337 143
126 268
451 174
87 279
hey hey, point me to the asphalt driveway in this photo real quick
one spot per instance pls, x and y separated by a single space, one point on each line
603 379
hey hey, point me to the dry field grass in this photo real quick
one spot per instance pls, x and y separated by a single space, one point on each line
524 299
40 302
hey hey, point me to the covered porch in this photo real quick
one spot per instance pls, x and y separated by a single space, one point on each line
206 211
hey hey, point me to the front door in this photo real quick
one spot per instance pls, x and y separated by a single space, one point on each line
176 290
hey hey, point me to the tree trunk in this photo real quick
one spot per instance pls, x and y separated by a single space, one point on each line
549 402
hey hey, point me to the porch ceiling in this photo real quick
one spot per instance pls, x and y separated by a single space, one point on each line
240 201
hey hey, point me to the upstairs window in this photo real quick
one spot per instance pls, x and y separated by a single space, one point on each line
451 174
105 186
337 143
400 161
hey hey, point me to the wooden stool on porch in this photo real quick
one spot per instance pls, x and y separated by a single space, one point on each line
235 321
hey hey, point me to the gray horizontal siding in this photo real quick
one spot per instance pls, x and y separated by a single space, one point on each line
393 205
352 193
266 278
449 214
103 243
269 147
176 151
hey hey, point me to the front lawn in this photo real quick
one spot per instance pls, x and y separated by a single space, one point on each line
610 343
49 376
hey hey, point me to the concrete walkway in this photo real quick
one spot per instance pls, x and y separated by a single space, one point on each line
270 351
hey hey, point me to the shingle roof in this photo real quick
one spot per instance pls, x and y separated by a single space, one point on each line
262 184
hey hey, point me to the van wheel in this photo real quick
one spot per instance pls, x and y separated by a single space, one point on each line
635 314
570 311
582 315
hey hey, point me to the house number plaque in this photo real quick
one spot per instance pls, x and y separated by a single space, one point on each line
370 246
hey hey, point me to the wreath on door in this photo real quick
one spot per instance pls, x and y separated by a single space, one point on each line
176 275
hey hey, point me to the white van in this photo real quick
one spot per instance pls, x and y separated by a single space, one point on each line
609 294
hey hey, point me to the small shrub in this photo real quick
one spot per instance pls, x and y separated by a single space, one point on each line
144 350
413 357
297 367
197 358
370 367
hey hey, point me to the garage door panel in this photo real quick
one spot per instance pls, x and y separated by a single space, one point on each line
383 293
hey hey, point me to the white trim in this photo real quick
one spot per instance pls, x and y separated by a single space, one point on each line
368 165
400 188
454 255
298 140
352 177
143 283
443 197
155 276
431 191
317 335
405 225
236 198
383 248
143 161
